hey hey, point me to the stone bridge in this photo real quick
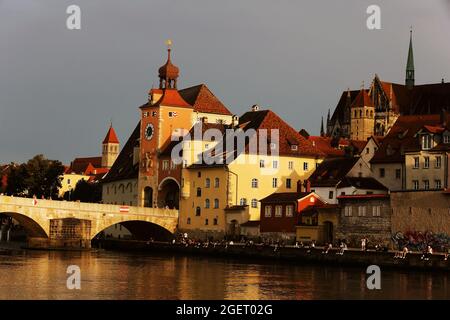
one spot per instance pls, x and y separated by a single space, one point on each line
64 223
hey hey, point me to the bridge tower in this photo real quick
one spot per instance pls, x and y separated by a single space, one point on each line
165 114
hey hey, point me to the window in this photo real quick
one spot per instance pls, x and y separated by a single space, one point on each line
426 184
376 211
288 183
188 220
261 163
446 138
254 183
330 195
278 211
290 165
294 147
198 211
207 183
206 222
273 146
165 164
243 202
268 211
305 166
172 114
415 184
199 192
215 221
437 184
172 165
289 211
216 203
216 182
199 174
361 211
207 203
153 113
426 142
426 163
274 182
347 211
438 161
382 172
254 203
367 150
275 164
416 163
398 173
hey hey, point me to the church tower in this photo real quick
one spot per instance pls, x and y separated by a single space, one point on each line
409 80
362 113
110 148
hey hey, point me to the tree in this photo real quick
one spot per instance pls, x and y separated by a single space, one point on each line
87 192
38 177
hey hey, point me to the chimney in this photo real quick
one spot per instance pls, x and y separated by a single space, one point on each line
299 186
234 121
443 81
307 186
255 107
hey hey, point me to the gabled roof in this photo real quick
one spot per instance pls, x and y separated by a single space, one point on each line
326 145
331 171
111 136
123 167
203 100
85 165
285 197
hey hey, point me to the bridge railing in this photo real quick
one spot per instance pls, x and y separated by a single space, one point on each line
87 207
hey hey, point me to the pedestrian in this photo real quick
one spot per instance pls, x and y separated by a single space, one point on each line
363 244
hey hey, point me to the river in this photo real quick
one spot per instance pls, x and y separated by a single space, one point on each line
119 275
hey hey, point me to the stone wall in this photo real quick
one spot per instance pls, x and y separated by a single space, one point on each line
377 229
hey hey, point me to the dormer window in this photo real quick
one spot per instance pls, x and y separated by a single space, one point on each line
294 147
426 142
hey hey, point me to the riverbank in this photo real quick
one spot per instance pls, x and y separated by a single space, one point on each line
289 254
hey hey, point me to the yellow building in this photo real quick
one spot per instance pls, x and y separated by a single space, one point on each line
69 182
217 198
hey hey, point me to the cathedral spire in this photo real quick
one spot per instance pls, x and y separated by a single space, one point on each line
409 80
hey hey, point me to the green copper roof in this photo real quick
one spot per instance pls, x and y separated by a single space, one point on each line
410 64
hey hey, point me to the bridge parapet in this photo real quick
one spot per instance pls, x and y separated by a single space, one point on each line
91 208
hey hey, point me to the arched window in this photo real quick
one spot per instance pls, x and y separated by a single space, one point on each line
188 220
122 188
216 182
207 203
254 183
199 192
216 203
198 211
360 113
243 201
130 186
367 113
254 203
207 183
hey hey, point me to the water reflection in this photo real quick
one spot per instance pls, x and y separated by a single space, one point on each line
109 275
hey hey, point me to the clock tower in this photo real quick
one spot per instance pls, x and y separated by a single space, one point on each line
165 114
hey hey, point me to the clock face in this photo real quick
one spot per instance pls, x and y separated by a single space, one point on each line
149 130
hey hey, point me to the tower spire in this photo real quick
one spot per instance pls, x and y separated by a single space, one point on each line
409 80
322 133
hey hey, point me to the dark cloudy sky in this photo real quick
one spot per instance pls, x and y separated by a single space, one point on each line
60 88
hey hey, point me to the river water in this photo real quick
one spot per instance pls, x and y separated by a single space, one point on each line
118 275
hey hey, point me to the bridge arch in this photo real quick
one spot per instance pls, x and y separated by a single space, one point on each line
140 230
33 227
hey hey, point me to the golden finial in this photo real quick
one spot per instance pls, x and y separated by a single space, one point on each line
168 43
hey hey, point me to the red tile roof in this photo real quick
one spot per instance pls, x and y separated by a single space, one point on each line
111 136
324 144
85 165
362 100
203 100
170 97
401 137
